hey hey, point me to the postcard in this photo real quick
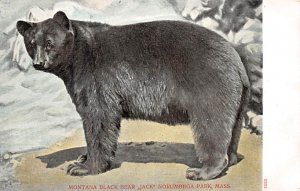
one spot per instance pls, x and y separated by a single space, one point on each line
131 95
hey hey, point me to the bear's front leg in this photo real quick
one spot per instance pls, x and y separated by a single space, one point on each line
101 135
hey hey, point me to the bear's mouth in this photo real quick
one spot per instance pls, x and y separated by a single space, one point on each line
39 66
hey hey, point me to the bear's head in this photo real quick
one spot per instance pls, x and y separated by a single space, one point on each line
49 43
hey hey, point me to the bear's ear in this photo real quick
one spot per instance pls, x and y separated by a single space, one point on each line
23 26
62 19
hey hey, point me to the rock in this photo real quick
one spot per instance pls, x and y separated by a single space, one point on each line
7 100
256 124
257 86
257 121
209 23
244 36
248 116
255 49
24 63
6 156
150 143
251 55
194 9
56 111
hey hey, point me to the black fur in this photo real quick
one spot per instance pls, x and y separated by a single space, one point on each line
166 71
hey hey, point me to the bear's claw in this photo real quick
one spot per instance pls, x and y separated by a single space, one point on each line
77 169
82 158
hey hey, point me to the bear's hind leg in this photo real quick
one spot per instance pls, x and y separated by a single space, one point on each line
234 158
212 135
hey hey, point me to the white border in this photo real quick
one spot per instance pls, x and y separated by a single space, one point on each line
281 32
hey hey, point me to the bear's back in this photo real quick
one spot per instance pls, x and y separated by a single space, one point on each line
178 54
171 46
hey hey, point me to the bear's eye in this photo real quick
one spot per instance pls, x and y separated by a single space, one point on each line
49 45
32 43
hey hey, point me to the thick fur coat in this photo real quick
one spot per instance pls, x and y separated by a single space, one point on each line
165 71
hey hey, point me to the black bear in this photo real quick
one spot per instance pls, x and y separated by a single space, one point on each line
165 71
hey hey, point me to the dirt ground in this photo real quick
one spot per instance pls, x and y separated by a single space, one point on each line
151 156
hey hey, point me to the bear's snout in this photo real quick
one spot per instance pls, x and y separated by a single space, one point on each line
39 66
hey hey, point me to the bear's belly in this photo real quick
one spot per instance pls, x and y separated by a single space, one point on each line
171 114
